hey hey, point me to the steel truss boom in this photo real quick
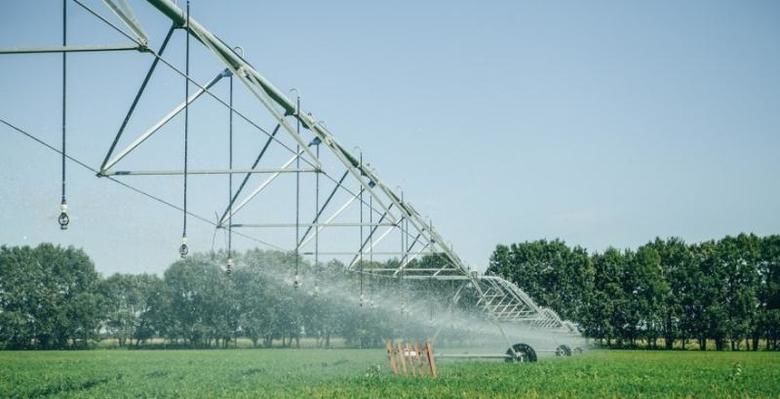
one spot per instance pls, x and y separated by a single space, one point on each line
500 298
389 212
279 105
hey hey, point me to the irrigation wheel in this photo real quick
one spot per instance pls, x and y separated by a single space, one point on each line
521 353
563 350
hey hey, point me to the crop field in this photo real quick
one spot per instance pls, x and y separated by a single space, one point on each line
291 373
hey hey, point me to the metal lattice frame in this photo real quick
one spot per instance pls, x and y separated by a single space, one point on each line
342 176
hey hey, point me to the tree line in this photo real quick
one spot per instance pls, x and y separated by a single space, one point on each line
666 293
52 298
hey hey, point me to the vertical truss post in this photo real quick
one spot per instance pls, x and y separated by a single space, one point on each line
230 180
317 210
360 251
297 192
63 219
371 241
184 249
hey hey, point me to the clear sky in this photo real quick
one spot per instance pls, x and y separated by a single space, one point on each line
601 123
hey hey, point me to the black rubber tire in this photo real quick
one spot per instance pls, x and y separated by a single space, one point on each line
563 350
521 353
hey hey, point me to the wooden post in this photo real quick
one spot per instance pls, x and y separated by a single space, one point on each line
403 358
411 358
431 359
418 358
391 356
421 356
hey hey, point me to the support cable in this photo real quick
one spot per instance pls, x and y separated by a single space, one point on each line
64 219
131 187
184 249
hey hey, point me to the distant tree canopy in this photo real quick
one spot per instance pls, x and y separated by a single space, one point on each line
727 291
48 297
51 297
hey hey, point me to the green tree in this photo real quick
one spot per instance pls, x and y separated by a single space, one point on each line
197 295
766 323
128 299
646 289
675 259
555 275
604 319
739 257
48 297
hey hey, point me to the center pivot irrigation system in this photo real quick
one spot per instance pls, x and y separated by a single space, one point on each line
348 205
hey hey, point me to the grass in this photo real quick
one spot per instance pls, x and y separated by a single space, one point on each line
352 373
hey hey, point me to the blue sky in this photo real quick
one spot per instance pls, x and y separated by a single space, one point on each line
601 123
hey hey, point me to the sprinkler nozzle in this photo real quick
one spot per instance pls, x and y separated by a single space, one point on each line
183 248
63 219
229 268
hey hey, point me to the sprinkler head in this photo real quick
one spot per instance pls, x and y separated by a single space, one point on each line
229 268
63 219
297 282
183 248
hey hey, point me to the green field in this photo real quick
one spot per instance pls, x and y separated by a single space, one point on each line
354 373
